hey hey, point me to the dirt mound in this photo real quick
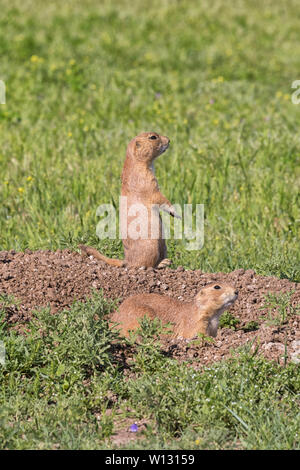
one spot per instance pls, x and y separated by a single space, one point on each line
44 278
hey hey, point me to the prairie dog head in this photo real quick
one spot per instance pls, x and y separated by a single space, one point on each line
147 146
217 296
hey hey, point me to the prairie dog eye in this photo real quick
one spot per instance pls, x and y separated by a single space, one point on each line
217 287
153 137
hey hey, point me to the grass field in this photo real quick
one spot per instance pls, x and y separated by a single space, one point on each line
82 79
61 379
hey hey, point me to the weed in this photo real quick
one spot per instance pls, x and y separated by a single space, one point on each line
227 320
149 355
279 308
250 326
202 340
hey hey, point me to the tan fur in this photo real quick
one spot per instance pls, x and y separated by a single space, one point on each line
188 318
140 185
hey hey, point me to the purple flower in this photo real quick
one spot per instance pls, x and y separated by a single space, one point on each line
133 428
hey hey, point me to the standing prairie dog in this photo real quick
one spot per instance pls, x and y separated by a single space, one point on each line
140 186
188 318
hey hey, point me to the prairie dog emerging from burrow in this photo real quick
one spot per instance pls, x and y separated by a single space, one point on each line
140 186
188 318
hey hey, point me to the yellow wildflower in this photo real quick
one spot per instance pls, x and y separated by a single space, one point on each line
34 58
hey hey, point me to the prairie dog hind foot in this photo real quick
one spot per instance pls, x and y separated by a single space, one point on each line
164 263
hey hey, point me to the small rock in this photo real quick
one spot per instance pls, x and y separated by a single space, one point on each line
295 353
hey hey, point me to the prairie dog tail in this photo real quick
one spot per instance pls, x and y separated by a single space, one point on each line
90 251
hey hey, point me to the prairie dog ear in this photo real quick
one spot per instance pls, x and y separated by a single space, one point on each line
199 296
137 144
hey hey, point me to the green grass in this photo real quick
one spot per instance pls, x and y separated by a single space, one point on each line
216 78
61 378
279 308
81 80
228 320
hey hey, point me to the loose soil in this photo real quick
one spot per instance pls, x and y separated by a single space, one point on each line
56 279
